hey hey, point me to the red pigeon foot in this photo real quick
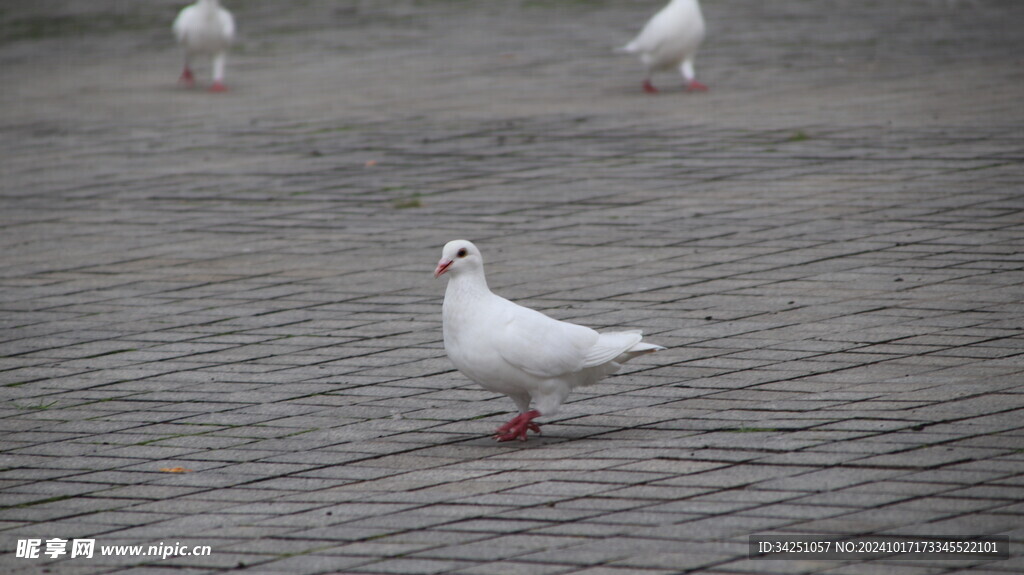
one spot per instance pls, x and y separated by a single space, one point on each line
517 427
187 79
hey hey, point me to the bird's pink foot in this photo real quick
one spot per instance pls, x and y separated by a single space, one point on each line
649 87
696 86
218 86
517 427
187 79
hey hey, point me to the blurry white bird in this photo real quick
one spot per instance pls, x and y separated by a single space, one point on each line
519 352
205 28
670 40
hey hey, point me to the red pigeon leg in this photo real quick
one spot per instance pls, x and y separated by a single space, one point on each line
517 427
187 79
695 86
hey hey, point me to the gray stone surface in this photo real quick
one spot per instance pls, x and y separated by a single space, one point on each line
829 242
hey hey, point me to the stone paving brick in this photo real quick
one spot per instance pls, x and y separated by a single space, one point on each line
516 568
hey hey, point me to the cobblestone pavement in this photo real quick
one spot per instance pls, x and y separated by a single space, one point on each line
220 326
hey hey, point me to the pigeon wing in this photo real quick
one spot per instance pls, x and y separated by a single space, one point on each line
227 24
183 22
541 346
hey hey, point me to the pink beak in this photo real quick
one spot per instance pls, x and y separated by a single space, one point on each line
442 266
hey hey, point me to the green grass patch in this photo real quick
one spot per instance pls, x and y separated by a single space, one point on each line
39 502
410 202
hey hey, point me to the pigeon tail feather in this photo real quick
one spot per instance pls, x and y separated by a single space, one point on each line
645 348
610 346
630 48
638 349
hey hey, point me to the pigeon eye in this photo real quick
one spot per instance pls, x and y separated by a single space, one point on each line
462 252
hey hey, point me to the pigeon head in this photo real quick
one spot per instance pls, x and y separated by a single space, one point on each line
458 257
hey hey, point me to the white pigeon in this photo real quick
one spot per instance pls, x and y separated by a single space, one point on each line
519 352
670 40
205 28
